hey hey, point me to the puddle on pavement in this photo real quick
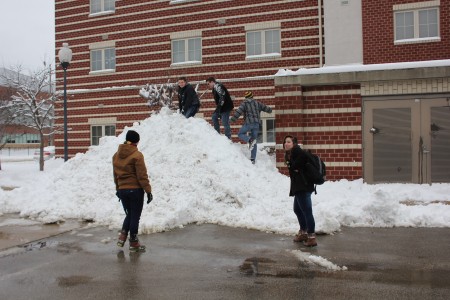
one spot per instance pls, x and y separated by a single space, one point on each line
39 245
252 265
73 280
435 278
4 235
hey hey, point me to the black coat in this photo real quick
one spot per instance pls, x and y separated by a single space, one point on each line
187 97
296 161
220 94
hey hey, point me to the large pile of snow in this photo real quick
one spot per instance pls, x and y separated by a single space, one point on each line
199 176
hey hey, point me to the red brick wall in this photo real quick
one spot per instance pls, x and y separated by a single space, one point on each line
153 22
378 35
332 154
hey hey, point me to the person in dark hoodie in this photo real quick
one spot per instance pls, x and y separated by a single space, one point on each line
251 109
188 101
131 180
224 105
301 189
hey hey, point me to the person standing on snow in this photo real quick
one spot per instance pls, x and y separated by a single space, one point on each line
224 105
251 109
188 101
131 180
295 159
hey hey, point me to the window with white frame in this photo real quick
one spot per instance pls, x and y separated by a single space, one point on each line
417 24
187 50
99 6
103 59
266 131
263 42
98 131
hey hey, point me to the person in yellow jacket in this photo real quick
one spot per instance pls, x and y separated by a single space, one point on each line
131 180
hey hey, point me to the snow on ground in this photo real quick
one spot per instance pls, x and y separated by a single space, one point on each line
199 176
317 260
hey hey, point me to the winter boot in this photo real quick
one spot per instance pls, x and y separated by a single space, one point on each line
253 161
122 238
135 246
301 236
311 240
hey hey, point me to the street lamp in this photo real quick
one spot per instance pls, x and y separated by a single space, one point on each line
65 56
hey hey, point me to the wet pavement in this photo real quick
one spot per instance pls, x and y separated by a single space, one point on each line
214 262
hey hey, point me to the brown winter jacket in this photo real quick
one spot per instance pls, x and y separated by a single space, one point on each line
129 169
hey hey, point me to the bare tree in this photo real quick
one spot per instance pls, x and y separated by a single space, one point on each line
32 104
159 94
163 94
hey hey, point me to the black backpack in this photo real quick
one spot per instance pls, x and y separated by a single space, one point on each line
315 169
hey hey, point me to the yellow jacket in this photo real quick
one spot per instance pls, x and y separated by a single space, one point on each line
129 169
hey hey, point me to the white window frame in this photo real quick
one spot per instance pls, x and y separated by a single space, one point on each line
263 132
264 53
416 38
103 126
186 51
103 69
102 11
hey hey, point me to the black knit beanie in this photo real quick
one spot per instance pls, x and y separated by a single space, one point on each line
132 136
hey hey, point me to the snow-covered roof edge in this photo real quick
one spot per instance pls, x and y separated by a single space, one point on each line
363 68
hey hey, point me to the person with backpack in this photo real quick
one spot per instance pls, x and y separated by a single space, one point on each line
188 101
131 180
251 109
301 188
224 105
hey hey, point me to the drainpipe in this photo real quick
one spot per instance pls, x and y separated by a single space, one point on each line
319 4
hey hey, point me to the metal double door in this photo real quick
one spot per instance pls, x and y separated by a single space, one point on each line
407 140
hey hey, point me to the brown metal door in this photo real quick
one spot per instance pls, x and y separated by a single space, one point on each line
440 144
392 155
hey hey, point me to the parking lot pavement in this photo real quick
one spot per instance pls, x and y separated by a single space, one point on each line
214 262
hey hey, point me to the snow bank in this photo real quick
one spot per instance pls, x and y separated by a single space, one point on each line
199 176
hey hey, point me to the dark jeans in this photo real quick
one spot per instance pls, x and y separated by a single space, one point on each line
303 211
225 119
191 111
133 202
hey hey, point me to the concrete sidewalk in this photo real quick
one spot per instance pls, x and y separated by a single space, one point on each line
215 262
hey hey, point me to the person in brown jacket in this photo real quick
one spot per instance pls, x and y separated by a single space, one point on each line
131 179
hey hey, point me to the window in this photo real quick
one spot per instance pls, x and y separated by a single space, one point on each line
98 6
103 59
263 42
417 24
187 50
98 131
266 131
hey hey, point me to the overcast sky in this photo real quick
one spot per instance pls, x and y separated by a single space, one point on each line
27 33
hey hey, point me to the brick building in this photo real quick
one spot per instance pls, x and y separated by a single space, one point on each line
120 45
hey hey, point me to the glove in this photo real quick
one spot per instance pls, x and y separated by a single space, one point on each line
233 119
149 197
117 194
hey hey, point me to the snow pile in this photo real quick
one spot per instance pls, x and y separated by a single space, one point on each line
317 260
199 176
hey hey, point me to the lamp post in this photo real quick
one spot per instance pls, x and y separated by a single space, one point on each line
65 56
